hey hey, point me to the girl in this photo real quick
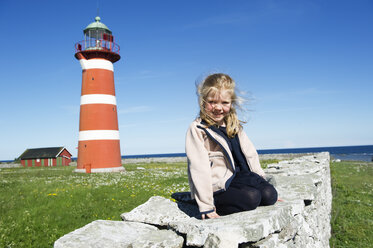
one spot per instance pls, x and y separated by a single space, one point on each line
224 172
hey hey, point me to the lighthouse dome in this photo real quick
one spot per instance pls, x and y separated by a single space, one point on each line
97 25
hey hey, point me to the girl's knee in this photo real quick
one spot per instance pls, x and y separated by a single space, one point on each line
252 199
269 196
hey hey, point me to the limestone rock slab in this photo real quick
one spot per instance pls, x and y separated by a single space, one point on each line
160 211
113 234
241 227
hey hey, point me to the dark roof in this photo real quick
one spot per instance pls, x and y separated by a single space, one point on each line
47 152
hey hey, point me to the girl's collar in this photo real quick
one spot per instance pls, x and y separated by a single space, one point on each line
205 123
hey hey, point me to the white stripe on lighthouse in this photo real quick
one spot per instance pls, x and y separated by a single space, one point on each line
99 135
96 64
98 99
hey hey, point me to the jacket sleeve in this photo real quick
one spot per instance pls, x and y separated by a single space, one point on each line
251 154
199 170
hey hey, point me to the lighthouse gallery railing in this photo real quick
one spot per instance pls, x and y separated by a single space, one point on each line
95 44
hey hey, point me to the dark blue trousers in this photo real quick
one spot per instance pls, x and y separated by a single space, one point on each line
246 192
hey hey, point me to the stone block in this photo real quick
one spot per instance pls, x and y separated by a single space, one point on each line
238 228
112 234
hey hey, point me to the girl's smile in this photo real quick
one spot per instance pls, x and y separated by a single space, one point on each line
217 105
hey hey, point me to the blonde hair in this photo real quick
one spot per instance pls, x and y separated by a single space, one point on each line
214 83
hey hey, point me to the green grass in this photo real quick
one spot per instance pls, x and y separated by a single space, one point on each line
352 213
39 205
265 163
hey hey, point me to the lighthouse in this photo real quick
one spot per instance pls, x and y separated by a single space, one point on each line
99 144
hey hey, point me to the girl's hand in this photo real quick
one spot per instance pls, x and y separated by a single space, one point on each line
211 215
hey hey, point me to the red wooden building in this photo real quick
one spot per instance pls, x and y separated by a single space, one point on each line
49 156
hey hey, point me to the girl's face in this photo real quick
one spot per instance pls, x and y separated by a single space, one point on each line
217 105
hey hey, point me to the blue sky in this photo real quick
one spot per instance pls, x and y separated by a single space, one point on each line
306 66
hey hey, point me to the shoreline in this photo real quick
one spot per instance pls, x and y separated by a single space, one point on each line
345 153
177 159
183 159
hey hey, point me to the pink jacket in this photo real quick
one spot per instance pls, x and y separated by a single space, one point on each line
211 165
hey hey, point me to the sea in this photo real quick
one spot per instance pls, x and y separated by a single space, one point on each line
351 153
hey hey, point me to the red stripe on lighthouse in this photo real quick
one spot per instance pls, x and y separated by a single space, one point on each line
101 152
93 79
98 117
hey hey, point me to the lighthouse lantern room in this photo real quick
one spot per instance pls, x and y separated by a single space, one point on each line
99 144
98 37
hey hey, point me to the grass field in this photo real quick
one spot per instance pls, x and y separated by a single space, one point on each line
39 205
352 213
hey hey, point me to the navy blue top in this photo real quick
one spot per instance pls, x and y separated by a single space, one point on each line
235 147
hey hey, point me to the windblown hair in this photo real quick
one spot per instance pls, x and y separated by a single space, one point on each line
214 83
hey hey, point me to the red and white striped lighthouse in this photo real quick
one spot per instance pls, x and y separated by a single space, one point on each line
99 145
